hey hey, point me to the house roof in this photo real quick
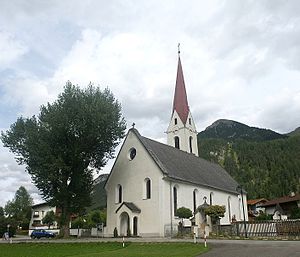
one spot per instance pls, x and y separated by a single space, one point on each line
40 204
283 199
187 167
131 206
180 102
256 201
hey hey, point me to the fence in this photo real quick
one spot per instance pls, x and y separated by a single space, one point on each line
269 228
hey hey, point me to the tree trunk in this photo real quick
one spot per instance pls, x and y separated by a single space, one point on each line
65 223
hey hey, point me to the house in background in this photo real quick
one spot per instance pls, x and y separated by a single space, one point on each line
149 180
38 212
282 207
254 207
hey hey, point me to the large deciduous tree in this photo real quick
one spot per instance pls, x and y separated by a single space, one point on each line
62 146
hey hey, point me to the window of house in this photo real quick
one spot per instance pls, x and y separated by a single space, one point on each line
36 223
132 153
191 144
175 199
147 188
175 121
190 121
176 139
119 194
36 214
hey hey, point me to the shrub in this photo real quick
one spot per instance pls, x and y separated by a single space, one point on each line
115 232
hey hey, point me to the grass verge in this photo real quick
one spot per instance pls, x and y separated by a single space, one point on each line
111 249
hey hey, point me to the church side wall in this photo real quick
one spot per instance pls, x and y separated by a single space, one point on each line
131 175
231 201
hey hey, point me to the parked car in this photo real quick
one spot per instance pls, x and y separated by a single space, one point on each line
38 233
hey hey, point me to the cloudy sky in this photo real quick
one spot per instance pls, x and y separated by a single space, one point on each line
241 61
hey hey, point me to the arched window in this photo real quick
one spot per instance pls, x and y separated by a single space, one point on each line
135 226
190 121
229 208
175 199
211 198
147 188
175 121
119 193
176 139
195 192
191 144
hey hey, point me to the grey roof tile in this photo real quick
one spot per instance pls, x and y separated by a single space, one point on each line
180 165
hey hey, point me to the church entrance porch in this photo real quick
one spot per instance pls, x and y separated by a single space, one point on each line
128 219
124 224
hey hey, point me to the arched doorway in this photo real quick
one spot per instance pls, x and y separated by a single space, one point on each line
135 226
124 223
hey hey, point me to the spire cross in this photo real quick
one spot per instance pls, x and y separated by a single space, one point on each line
178 49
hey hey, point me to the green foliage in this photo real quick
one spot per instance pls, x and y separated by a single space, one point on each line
295 213
90 220
116 232
96 217
296 132
4 222
266 169
62 146
19 209
215 211
80 222
264 216
49 218
98 193
1 212
184 213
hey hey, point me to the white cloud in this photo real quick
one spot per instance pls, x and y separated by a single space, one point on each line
11 49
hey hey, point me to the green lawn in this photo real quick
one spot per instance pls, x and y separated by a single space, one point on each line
111 249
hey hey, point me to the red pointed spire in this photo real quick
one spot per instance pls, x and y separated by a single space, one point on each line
180 103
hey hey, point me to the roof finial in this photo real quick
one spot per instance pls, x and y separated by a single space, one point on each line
133 124
178 49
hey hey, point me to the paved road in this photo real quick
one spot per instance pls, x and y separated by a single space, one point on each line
254 249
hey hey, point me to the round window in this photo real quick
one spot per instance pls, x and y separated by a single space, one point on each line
132 153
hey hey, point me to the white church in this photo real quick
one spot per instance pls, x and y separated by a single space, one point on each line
149 180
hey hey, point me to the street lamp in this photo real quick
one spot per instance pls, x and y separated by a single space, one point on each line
240 190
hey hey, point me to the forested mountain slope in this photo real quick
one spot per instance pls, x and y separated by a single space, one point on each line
266 167
99 194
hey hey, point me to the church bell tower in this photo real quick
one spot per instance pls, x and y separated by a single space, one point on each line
182 132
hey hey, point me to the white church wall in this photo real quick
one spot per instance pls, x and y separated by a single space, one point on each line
185 199
184 132
131 175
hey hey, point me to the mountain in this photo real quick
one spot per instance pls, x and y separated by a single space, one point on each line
98 193
266 163
233 130
295 132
